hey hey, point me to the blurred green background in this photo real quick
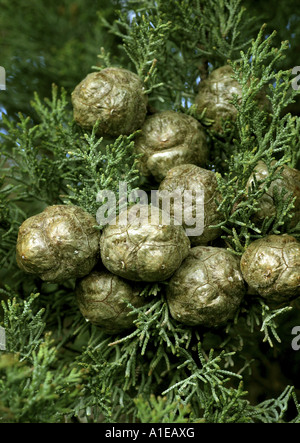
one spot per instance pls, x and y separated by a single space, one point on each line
44 42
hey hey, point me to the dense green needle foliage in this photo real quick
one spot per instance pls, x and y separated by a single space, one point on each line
57 367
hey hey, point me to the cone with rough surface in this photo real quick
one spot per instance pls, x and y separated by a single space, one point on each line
207 289
59 243
169 139
193 178
114 97
289 181
103 300
271 267
147 247
216 93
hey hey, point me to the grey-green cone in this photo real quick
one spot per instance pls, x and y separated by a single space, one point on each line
59 243
169 139
146 248
114 97
207 288
103 300
271 267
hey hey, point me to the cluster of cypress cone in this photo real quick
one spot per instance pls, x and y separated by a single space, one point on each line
206 283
